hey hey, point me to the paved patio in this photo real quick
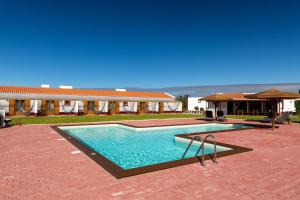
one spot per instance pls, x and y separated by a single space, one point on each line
36 163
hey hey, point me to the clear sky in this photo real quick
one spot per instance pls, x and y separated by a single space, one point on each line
154 43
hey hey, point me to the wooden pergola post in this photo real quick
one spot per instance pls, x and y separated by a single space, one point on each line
215 103
85 107
110 108
43 106
146 107
27 105
274 110
247 103
141 107
139 110
96 106
117 107
11 107
234 107
56 107
161 107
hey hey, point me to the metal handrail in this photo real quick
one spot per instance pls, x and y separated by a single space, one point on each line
195 137
202 147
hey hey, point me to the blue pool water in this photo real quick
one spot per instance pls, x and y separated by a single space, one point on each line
136 147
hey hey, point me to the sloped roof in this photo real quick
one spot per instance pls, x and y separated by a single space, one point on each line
217 97
274 94
228 97
35 91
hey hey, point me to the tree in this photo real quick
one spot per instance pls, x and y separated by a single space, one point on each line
184 100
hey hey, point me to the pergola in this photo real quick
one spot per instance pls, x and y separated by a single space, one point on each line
216 98
274 96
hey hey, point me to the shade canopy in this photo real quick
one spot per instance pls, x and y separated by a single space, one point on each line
273 94
217 97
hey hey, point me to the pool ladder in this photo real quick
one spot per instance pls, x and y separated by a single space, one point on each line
202 146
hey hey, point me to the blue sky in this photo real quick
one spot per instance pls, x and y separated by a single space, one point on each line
149 43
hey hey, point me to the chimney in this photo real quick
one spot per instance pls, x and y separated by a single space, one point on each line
65 87
45 86
120 90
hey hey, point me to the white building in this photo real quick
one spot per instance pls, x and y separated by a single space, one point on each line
194 102
287 105
64 100
240 105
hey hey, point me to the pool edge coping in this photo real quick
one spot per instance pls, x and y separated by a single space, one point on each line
118 172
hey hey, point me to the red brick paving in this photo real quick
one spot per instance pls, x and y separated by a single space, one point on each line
34 164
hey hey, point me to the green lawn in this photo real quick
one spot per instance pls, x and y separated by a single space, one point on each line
246 117
295 119
95 118
103 118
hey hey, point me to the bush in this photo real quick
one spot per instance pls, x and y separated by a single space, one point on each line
196 108
297 105
202 110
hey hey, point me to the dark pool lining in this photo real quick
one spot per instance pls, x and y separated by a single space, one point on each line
119 172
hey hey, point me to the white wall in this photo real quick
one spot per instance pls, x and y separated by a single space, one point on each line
153 106
196 101
223 107
103 106
4 105
73 107
131 107
80 105
288 105
173 106
35 105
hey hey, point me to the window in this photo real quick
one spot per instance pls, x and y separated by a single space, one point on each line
67 103
199 100
49 106
91 105
125 103
20 105
142 105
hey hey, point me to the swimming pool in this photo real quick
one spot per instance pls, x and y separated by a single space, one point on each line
131 148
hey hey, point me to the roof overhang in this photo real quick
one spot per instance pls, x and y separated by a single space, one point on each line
76 97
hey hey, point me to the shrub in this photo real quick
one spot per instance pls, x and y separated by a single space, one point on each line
202 110
196 108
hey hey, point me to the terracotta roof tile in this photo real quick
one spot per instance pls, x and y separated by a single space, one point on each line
236 96
80 92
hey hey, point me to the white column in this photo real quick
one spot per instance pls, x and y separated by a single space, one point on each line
35 108
76 107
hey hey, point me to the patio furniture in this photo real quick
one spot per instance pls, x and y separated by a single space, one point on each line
4 121
220 116
209 115
274 96
268 118
283 118
7 122
217 99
